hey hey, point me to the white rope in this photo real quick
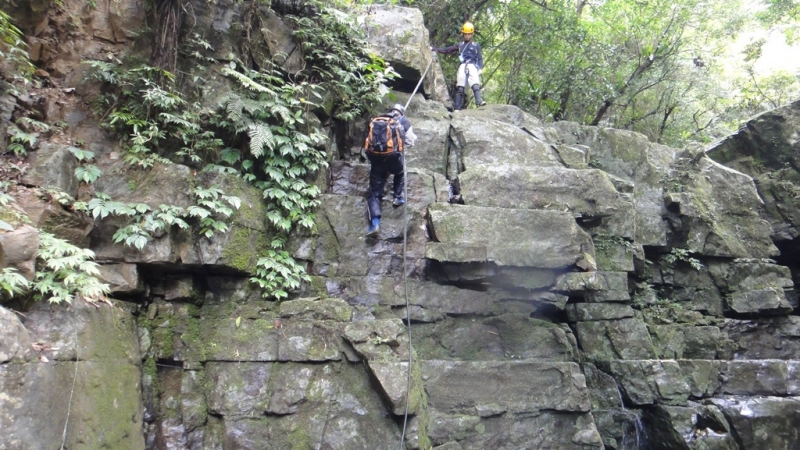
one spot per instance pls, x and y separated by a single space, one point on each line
405 275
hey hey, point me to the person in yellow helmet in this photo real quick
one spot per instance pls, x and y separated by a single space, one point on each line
471 68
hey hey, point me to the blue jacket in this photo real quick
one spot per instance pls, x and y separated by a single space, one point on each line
470 52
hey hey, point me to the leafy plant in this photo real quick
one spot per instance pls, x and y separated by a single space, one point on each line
65 272
682 254
12 282
88 173
334 49
13 50
144 222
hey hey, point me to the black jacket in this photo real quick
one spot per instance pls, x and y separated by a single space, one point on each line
470 52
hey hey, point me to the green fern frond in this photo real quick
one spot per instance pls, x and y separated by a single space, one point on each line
260 138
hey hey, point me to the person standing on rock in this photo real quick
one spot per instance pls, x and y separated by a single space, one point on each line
471 68
386 137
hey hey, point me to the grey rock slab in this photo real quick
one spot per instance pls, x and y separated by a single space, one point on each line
763 422
105 410
702 376
581 312
517 386
693 426
768 138
501 338
19 249
378 340
615 339
392 378
628 156
545 430
15 341
584 282
398 35
794 378
238 389
86 332
53 165
720 207
603 390
121 278
337 408
759 301
316 309
763 377
541 239
765 338
583 193
481 141
647 382
677 341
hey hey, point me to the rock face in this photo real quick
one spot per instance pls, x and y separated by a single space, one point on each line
568 287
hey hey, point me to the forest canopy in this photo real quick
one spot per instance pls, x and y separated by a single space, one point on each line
674 70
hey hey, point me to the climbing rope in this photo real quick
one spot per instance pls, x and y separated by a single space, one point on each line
405 274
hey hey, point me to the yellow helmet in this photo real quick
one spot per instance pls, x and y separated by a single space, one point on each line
468 28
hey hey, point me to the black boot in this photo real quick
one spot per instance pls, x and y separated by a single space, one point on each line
476 89
459 97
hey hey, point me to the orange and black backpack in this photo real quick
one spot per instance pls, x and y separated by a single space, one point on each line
385 135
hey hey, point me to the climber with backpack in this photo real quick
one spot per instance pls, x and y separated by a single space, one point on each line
387 135
471 68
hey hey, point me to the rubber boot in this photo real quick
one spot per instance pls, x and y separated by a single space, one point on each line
375 227
459 98
476 89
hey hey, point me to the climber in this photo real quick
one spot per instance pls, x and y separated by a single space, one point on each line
471 66
386 137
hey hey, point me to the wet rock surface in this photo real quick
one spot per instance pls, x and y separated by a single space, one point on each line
567 286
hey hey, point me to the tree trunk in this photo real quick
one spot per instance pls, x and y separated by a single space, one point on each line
169 18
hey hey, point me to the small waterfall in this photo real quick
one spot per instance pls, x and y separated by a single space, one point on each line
634 433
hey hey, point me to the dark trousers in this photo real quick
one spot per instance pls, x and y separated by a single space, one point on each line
381 167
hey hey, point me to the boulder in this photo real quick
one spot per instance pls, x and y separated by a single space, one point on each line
482 141
753 286
15 341
121 278
398 35
719 211
19 249
53 166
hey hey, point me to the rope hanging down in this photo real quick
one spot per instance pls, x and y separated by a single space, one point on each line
405 275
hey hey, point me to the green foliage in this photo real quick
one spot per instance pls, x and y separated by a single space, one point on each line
13 50
88 173
65 272
271 115
24 135
335 52
153 118
682 254
259 133
211 205
278 272
12 283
